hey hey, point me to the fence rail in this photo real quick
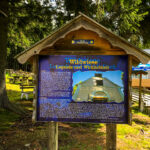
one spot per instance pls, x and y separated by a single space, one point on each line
145 95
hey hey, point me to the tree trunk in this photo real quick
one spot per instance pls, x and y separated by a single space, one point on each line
4 102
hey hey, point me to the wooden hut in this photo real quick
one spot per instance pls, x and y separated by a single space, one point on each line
105 42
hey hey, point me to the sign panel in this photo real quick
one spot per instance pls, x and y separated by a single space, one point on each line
83 88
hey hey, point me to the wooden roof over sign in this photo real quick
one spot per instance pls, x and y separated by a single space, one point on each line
83 23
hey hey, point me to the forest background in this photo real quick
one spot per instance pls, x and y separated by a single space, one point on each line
24 22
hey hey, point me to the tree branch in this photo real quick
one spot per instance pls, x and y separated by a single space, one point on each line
3 13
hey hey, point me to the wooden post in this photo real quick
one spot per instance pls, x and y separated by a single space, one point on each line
111 136
53 136
53 126
111 129
35 71
129 89
141 105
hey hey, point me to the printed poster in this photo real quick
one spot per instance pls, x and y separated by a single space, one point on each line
75 88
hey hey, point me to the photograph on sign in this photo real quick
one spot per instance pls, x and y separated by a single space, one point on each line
95 86
90 88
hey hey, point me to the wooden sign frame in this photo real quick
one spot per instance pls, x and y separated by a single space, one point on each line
126 109
60 43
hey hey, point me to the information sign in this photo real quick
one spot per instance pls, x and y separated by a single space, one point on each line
76 88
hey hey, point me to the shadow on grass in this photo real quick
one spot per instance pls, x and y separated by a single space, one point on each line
135 109
139 121
7 119
85 125
75 138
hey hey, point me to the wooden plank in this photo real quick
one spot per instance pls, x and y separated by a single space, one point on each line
35 95
83 52
111 142
52 126
129 89
141 104
53 136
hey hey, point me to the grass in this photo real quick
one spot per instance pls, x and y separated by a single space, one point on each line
136 136
17 132
7 118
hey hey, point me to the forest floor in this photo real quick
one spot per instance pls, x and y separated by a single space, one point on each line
20 133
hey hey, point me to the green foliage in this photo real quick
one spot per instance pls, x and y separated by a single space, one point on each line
145 24
126 18
123 17
75 6
32 20
74 89
29 22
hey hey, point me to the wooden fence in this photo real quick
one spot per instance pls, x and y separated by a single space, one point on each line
145 96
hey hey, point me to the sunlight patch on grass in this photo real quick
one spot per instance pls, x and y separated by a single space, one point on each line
13 95
135 136
14 87
122 130
14 92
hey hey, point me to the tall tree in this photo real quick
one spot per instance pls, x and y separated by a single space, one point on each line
4 102
73 7
145 24
28 22
123 17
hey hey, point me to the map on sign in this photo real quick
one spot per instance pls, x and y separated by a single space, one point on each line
83 88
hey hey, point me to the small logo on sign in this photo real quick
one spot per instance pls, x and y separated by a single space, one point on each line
81 41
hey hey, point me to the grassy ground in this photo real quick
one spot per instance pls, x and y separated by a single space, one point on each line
19 133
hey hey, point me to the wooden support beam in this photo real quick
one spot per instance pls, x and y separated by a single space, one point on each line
53 136
130 62
111 136
141 104
35 71
83 52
